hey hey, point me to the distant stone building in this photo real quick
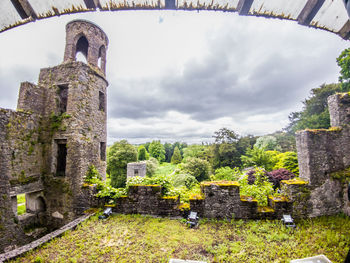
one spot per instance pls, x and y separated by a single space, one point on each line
57 132
136 169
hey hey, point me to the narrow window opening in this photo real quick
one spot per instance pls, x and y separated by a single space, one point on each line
101 57
136 172
21 204
103 151
63 98
61 157
82 49
102 101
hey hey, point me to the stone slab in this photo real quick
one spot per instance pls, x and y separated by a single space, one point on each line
174 260
315 259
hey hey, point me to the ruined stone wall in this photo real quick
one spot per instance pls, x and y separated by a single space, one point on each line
218 200
147 200
140 167
322 155
20 170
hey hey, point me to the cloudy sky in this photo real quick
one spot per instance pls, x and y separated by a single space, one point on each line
180 76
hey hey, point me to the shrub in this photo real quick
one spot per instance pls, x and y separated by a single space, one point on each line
289 161
276 176
156 180
198 168
151 166
184 180
226 173
92 175
251 175
260 189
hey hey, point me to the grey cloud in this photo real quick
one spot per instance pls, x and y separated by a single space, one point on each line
10 81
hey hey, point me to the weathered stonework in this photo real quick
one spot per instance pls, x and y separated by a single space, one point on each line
136 169
57 132
217 201
322 153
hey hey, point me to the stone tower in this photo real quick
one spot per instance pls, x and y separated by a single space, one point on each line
76 101
56 134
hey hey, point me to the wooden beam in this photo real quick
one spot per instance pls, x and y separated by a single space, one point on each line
309 11
92 4
244 6
24 9
170 4
344 32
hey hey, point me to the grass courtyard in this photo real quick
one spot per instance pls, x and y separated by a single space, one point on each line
136 238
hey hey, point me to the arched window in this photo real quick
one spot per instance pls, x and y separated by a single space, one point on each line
101 57
82 48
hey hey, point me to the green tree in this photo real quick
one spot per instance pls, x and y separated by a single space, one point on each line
151 166
142 153
228 148
156 150
315 114
120 154
184 180
343 62
268 143
196 150
168 147
260 158
198 168
176 158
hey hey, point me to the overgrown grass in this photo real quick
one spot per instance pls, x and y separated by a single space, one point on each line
165 169
135 238
21 204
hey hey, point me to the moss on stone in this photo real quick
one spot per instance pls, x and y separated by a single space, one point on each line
221 183
170 197
343 175
265 209
295 181
245 198
196 197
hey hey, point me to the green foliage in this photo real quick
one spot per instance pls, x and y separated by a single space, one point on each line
92 175
226 173
343 62
228 148
120 154
176 158
289 161
315 113
142 153
163 181
197 151
151 166
21 204
165 169
286 141
198 168
260 189
156 150
268 143
105 190
260 157
56 120
184 180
